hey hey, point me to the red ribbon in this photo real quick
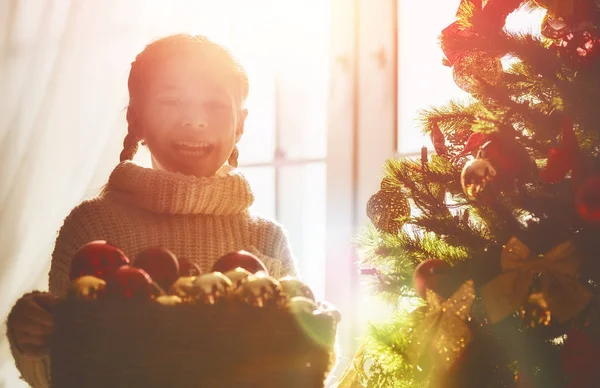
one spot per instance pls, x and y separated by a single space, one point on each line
488 16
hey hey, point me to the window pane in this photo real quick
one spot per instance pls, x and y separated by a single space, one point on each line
302 212
422 79
262 181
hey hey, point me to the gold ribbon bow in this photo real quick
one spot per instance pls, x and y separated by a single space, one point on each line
444 326
566 297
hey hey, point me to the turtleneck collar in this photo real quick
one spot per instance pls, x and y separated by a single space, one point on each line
226 193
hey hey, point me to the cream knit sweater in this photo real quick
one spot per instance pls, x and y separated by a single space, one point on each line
196 218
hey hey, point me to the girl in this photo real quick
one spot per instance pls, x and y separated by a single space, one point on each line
186 105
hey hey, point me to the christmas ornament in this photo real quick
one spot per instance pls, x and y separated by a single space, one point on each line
300 304
183 288
444 327
385 208
476 69
536 312
427 276
210 287
238 276
588 199
565 296
87 287
562 159
161 264
241 259
188 268
169 300
261 290
293 287
327 308
555 27
476 177
99 259
130 283
507 156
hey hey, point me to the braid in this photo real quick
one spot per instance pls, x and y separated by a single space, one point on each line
130 147
233 158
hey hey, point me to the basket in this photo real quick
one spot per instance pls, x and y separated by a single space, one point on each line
108 343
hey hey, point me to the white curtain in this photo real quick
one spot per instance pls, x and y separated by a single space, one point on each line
63 94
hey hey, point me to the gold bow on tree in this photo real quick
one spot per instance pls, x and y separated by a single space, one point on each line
444 326
565 296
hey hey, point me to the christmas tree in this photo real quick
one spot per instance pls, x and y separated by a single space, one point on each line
489 250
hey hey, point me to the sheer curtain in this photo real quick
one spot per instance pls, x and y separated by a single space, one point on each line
63 77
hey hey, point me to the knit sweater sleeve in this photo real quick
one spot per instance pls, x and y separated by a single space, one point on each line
36 370
271 245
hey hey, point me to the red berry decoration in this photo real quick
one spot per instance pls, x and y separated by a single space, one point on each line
588 199
130 283
99 259
161 264
427 276
188 268
239 259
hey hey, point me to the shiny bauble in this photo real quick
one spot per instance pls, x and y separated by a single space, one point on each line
211 287
87 287
261 290
183 288
130 283
588 199
169 300
476 178
99 259
300 304
238 276
293 287
239 259
188 268
387 208
160 263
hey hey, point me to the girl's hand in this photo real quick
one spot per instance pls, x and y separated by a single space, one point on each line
31 323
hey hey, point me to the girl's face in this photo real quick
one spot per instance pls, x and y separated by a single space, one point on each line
190 116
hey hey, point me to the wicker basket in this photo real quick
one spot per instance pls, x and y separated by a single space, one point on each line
133 344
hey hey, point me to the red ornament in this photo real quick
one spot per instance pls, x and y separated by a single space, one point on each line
507 156
564 158
239 259
588 199
99 259
161 264
130 283
188 268
427 276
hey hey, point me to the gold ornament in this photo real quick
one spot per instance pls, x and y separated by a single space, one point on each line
209 287
183 288
475 177
293 287
385 207
260 290
330 310
87 287
444 326
559 267
475 69
238 276
300 304
169 300
536 311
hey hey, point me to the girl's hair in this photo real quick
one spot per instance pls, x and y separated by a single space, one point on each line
145 63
